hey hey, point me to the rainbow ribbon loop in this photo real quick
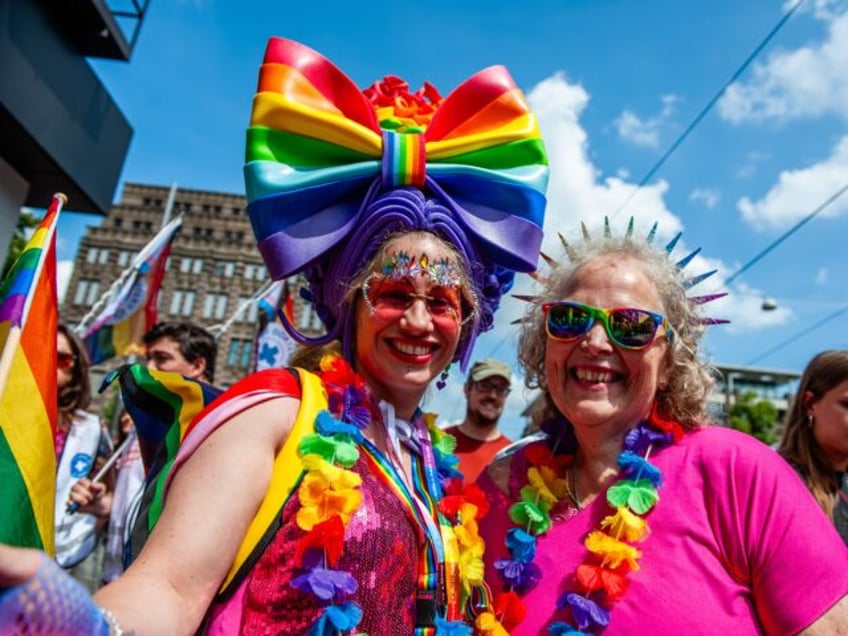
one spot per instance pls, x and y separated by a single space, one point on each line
316 154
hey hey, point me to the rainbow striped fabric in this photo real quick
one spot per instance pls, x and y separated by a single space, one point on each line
317 145
131 311
28 320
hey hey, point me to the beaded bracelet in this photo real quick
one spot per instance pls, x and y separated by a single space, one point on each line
112 623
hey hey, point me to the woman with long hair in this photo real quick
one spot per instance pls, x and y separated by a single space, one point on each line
81 447
815 434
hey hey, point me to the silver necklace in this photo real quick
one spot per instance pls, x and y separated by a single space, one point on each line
571 485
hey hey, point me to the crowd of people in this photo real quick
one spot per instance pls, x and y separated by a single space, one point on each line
322 500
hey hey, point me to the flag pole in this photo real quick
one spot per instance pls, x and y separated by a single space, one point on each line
14 336
118 282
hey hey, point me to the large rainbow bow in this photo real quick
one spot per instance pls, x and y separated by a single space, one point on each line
316 152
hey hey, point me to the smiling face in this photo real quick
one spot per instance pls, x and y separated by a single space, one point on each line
830 425
592 381
408 329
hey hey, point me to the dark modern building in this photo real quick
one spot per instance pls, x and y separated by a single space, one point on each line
60 129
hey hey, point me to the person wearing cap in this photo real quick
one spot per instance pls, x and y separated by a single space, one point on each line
478 437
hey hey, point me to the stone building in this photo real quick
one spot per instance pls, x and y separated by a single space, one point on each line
213 270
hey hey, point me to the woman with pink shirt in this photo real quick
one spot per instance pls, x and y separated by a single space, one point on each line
633 516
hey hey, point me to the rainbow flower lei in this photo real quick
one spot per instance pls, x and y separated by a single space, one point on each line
601 579
329 495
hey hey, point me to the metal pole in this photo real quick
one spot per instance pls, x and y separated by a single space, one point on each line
169 204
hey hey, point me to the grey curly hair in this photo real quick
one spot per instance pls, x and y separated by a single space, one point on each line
690 379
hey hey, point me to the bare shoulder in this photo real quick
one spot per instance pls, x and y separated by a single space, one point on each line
834 622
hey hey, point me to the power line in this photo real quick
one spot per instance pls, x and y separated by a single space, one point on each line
800 335
786 235
708 107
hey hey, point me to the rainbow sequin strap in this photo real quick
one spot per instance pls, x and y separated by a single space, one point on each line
404 159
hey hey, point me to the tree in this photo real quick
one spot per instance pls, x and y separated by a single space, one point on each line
23 230
754 416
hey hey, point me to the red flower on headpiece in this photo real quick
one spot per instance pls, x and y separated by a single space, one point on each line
392 94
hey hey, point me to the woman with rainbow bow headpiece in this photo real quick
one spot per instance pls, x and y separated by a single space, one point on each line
328 503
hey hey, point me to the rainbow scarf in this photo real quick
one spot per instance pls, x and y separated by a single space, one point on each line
28 320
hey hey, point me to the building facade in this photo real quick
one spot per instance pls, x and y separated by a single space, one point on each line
213 270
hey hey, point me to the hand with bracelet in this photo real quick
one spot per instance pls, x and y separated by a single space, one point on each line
38 597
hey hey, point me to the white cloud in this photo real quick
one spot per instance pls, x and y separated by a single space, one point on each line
645 132
807 82
708 196
752 161
822 276
64 271
799 192
637 131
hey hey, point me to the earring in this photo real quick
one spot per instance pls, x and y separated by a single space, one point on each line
443 378
810 420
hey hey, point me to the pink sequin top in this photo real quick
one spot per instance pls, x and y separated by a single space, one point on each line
381 550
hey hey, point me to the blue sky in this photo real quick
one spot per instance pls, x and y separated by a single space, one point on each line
614 84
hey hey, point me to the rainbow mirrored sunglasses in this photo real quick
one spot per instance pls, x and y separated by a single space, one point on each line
627 327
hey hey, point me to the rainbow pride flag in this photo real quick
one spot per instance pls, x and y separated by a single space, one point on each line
28 319
131 310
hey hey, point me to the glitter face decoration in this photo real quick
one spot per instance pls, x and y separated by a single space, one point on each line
442 271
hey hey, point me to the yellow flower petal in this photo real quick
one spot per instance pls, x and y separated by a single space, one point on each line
539 485
612 551
625 525
489 625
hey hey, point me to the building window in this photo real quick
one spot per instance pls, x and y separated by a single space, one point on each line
209 233
182 302
261 273
249 271
117 222
190 265
240 353
236 211
215 305
225 268
250 313
87 292
97 255
124 257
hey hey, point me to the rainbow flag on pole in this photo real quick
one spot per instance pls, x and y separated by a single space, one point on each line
28 319
131 311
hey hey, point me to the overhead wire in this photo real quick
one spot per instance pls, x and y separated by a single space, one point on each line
706 109
799 335
833 197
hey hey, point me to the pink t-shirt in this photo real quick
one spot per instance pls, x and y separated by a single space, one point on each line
737 546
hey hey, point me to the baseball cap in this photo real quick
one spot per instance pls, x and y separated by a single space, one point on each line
483 369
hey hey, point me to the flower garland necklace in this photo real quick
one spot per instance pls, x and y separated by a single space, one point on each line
329 496
601 579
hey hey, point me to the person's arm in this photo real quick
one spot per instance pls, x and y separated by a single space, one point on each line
210 504
834 622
